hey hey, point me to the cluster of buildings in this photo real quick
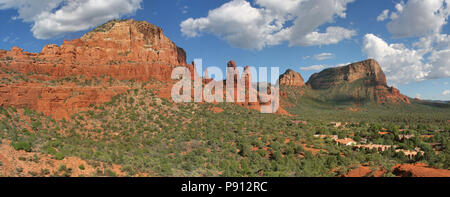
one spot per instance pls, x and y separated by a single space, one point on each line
378 147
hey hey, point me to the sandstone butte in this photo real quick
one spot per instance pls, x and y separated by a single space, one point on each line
368 72
123 50
119 49
292 78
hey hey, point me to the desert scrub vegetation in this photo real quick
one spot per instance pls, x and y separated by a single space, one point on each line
7 58
146 134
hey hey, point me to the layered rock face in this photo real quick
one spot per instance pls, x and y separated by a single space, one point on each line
362 80
122 50
292 78
59 102
369 71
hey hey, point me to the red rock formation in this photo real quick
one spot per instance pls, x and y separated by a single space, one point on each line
292 78
249 90
368 70
392 95
367 74
206 79
123 50
120 49
58 102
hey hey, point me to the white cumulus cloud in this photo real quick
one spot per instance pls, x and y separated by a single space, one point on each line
418 17
314 67
266 23
320 67
383 16
446 92
323 56
52 18
428 59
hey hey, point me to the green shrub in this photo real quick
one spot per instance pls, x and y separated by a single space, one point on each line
62 167
59 156
110 173
81 167
51 151
22 145
45 172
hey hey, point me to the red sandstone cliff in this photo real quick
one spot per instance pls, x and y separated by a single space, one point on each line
362 80
121 50
292 78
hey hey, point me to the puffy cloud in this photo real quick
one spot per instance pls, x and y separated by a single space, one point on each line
314 67
441 64
265 24
280 6
236 21
383 16
333 35
29 9
419 18
52 18
324 56
446 92
428 59
398 62
320 67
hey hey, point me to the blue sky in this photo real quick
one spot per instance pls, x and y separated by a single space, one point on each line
416 69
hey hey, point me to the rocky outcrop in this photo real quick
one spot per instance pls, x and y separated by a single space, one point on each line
58 102
249 90
368 71
363 81
117 50
121 50
124 50
292 78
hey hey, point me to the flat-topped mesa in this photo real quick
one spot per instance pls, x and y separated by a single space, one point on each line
368 71
120 41
363 81
292 78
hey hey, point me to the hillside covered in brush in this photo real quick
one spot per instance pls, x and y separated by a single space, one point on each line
100 106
